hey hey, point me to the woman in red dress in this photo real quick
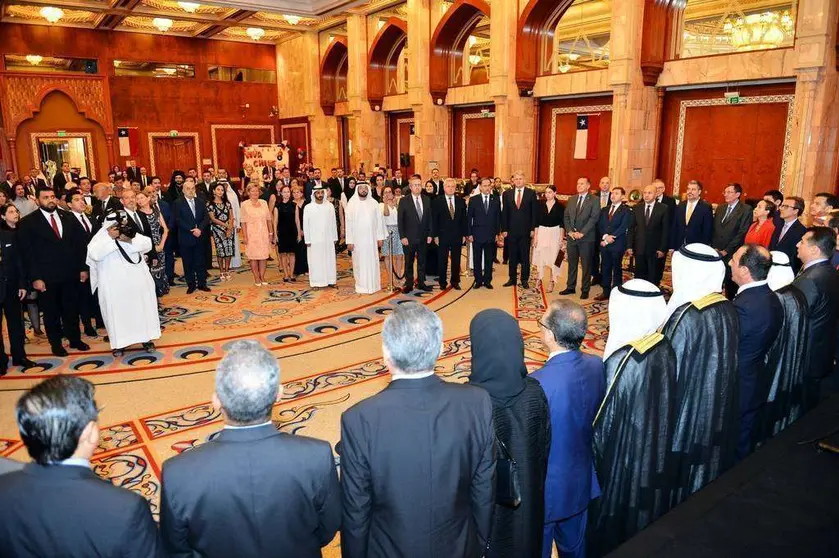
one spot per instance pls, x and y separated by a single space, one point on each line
761 230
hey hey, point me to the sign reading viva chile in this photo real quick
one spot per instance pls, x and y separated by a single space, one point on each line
259 156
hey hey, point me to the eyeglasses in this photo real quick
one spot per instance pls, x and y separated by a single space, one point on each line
786 206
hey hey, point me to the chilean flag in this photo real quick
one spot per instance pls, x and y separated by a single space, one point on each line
588 131
129 142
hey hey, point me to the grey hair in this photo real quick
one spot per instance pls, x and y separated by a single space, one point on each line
568 322
247 382
412 336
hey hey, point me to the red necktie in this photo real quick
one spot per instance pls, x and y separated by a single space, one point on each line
54 225
611 212
86 228
518 198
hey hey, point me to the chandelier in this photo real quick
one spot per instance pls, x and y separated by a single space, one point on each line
474 59
34 59
255 33
163 24
190 7
292 19
51 14
760 31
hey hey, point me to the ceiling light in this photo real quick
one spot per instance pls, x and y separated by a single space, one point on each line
573 57
163 24
255 33
169 71
564 67
474 59
292 19
190 7
52 14
34 59
117 63
472 40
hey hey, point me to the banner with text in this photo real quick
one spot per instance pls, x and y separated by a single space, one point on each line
259 156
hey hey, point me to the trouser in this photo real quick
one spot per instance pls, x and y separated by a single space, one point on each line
170 262
88 306
579 253
811 393
444 250
208 250
12 310
747 424
569 535
483 255
649 267
60 306
519 254
612 269
412 252
597 262
195 268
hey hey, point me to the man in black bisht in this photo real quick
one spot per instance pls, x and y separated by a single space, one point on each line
633 428
703 329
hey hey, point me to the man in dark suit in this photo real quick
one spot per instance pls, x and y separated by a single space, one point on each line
418 458
483 225
662 198
335 185
315 182
449 223
822 208
605 199
612 229
398 182
132 173
64 179
819 282
649 233
731 223
8 185
204 189
37 182
581 216
693 220
105 202
788 234
776 198
439 184
57 506
760 316
54 252
193 223
88 302
574 384
414 221
519 218
280 489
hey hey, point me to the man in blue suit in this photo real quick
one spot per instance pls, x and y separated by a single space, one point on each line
760 315
483 223
693 220
574 384
614 222
192 223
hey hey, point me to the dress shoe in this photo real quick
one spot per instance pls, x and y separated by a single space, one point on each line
90 332
25 363
80 346
584 296
567 292
190 290
477 285
596 280
488 286
171 282
443 286
510 283
3 371
206 289
426 288
59 351
407 290
148 347
456 287
601 297
525 285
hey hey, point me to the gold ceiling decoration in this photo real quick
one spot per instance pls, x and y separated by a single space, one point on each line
32 13
242 33
175 9
146 24
280 19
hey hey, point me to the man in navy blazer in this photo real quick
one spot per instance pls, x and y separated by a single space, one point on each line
693 220
760 316
790 230
483 223
193 223
574 384
612 228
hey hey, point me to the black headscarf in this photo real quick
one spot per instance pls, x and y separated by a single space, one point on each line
497 355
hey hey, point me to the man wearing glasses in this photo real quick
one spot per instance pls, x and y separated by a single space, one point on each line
787 235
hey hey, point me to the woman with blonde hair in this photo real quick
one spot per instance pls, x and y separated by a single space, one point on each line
257 230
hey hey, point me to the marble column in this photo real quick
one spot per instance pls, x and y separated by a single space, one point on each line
367 127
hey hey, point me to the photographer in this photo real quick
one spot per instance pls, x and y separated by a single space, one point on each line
119 271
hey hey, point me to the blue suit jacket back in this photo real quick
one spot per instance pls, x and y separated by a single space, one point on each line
699 229
616 227
761 316
186 221
575 384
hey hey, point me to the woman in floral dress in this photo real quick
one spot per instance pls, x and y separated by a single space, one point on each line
221 224
159 232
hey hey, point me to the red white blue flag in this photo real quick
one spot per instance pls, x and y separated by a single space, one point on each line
588 136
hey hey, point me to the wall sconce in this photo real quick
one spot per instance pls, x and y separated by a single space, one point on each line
34 59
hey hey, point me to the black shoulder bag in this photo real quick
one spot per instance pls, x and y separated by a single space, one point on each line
507 485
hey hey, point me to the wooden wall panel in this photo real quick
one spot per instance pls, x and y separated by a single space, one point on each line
172 154
725 143
473 142
567 169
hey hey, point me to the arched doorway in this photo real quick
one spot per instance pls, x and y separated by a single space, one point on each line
333 75
448 44
383 61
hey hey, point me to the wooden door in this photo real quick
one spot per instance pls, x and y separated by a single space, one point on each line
473 142
400 129
172 154
297 136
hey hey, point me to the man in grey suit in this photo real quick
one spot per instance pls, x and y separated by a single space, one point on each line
581 216
252 491
731 223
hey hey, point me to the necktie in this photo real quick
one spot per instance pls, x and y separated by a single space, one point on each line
784 230
518 198
84 224
486 204
648 213
137 220
580 203
727 213
611 212
419 207
192 207
689 212
54 225
451 208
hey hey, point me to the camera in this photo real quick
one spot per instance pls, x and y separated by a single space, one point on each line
124 224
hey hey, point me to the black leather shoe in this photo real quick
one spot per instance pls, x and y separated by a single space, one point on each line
584 296
407 290
90 332
601 297
525 285
148 347
567 292
190 290
477 285
488 286
25 363
59 351
205 288
510 283
456 287
426 288
596 280
443 286
80 346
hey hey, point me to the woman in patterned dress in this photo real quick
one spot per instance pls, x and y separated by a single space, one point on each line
221 224
392 245
159 232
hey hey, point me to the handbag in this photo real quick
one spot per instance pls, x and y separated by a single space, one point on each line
560 257
507 485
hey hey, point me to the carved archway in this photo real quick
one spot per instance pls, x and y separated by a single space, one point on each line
333 74
448 42
537 24
383 58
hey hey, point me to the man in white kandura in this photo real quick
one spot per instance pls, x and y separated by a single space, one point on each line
365 233
119 272
321 234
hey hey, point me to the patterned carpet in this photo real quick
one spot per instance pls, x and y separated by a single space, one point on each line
327 340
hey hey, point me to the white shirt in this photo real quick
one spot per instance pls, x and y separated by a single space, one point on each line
812 263
559 352
76 462
83 220
48 216
450 201
411 376
232 427
134 216
752 285
786 227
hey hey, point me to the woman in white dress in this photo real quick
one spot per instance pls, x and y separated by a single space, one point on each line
549 236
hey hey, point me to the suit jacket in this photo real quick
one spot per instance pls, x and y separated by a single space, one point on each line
133 174
413 228
519 221
66 510
482 225
168 214
185 221
449 230
731 234
698 230
12 276
820 285
251 492
401 184
418 471
59 181
575 384
646 239
761 316
47 257
100 210
617 226
669 203
789 244
144 180
37 184
586 220
92 223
